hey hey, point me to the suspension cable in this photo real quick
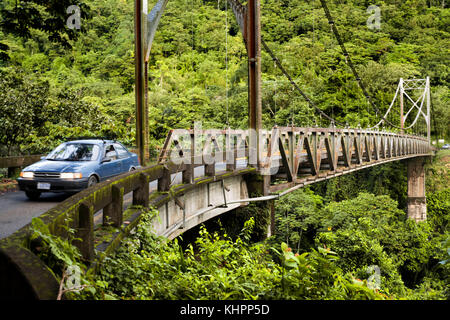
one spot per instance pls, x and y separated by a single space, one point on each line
349 62
226 61
286 74
275 95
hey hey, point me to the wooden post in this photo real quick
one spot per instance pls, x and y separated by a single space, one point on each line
210 168
142 193
164 181
188 173
112 213
85 231
231 150
291 135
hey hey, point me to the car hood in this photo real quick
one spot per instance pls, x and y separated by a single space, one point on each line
55 166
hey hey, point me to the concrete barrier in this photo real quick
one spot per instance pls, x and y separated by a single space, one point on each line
14 164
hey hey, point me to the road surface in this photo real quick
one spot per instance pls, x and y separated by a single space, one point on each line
16 210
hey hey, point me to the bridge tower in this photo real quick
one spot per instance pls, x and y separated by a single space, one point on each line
141 81
254 79
417 205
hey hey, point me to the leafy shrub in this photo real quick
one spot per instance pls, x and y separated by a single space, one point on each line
217 267
368 231
438 210
296 221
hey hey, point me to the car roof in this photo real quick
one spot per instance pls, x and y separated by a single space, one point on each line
91 141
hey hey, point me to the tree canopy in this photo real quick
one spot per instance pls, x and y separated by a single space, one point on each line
198 67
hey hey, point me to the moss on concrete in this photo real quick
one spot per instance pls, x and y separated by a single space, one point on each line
65 215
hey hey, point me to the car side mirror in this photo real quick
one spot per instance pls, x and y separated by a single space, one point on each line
106 160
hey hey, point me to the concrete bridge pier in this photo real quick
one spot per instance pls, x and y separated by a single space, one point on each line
417 203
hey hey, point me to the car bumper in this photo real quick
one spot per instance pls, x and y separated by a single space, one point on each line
56 185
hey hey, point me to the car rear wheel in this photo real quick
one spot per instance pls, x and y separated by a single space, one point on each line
92 181
33 195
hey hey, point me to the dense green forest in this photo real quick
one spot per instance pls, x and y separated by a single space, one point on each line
58 83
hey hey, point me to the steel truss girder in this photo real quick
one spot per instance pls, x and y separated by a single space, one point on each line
292 154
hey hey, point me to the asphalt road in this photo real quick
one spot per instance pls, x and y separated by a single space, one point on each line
16 210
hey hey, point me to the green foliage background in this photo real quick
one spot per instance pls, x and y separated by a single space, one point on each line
198 68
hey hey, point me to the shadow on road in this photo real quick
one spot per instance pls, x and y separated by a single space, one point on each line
50 197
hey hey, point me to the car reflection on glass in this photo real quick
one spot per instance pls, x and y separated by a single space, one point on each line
76 165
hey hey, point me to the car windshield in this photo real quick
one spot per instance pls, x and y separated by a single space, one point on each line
75 152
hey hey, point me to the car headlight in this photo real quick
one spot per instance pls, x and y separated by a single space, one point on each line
71 175
26 174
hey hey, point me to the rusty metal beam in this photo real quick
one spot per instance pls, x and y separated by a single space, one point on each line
254 75
141 135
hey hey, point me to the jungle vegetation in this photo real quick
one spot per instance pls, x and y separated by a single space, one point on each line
58 83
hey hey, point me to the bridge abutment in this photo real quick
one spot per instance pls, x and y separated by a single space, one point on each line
417 204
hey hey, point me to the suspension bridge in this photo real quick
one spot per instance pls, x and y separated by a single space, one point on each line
202 174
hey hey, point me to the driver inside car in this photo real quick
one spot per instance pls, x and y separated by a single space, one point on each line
111 153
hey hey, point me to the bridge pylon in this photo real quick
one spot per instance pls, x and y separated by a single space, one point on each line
417 201
417 204
422 104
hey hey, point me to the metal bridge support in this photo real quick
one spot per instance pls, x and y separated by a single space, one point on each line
254 79
140 94
417 204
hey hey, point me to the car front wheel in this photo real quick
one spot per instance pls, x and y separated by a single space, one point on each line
92 181
33 195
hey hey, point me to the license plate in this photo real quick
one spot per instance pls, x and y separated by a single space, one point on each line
43 186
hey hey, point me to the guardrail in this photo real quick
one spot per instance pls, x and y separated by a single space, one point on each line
24 275
16 162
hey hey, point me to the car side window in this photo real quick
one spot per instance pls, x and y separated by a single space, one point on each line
111 152
121 151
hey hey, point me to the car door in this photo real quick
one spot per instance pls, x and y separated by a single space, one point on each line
110 165
124 157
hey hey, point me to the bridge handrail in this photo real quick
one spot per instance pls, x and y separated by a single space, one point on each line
17 260
19 161
16 251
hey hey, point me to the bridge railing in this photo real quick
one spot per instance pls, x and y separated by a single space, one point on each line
23 274
292 157
17 253
310 154
294 154
16 162
186 150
